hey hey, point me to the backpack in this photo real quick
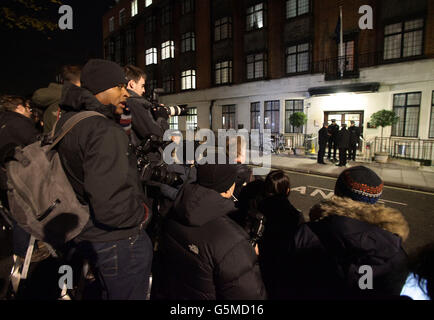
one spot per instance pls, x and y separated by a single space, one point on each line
41 198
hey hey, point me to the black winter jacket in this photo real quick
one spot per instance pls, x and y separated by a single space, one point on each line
343 139
333 129
203 254
101 169
323 136
142 120
282 221
354 135
344 235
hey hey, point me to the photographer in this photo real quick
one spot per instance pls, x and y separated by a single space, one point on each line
138 118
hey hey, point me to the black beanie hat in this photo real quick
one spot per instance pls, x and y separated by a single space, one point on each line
99 75
219 177
360 184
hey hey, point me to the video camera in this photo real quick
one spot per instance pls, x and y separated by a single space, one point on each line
150 163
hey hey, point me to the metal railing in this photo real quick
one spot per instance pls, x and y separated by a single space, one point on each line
405 148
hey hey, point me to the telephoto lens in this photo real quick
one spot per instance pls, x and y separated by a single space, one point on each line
176 111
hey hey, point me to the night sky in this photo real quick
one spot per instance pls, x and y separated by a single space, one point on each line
31 59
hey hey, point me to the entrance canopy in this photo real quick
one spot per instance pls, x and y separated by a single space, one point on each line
353 87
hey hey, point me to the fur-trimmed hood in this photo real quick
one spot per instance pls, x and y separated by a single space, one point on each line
383 217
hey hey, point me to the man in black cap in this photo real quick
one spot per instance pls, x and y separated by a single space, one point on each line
103 173
333 130
203 254
323 137
354 140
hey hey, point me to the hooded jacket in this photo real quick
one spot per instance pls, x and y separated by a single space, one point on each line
49 98
203 254
101 169
344 235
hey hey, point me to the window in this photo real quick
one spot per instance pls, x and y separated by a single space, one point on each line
169 84
167 50
166 15
187 6
112 50
148 3
188 80
150 24
151 56
255 116
111 24
223 72
403 39
298 58
256 66
431 127
188 42
296 8
228 117
223 29
131 37
173 123
292 106
255 17
192 119
406 107
348 58
272 116
134 8
122 17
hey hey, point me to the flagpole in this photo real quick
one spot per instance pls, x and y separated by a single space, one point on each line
341 41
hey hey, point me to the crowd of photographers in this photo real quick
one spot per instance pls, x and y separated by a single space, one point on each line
194 232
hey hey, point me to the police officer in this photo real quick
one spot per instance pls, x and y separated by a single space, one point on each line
333 130
354 140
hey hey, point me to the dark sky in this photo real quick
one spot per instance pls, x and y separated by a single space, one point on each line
31 59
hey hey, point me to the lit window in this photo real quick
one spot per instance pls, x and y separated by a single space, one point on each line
151 56
167 50
173 123
255 116
148 3
134 8
188 80
255 17
223 72
192 119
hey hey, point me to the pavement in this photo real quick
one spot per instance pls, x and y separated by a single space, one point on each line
399 174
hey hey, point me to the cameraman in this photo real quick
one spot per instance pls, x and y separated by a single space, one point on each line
138 120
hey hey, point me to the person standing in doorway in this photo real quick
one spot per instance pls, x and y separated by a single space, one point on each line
333 130
343 141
